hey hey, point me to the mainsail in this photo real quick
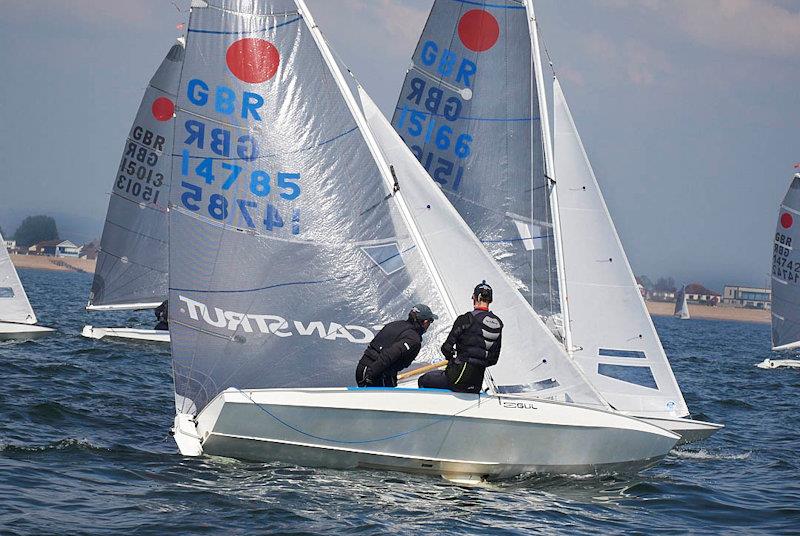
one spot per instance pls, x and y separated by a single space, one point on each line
681 306
469 111
615 341
289 248
14 304
532 361
786 272
131 268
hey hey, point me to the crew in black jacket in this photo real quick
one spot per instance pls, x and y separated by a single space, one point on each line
394 348
162 315
472 346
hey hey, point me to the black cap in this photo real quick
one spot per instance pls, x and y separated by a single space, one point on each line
423 312
483 292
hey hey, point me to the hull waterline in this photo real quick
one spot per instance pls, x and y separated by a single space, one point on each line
10 331
422 431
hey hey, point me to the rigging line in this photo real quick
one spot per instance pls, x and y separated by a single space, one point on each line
263 30
289 284
546 50
359 442
137 233
296 151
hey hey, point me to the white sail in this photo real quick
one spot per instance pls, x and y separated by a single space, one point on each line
14 304
681 306
532 361
615 342
786 272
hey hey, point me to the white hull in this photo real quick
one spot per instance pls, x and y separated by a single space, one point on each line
689 430
129 334
779 363
786 347
10 331
423 431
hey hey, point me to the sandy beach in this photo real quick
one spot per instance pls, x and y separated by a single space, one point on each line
734 314
58 264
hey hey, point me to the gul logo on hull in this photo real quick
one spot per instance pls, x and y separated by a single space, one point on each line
275 325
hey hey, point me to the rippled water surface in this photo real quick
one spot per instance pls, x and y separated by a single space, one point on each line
84 449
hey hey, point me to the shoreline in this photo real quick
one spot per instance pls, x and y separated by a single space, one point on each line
53 264
705 312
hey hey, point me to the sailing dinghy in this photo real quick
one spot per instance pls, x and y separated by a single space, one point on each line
291 245
131 271
474 112
681 306
17 319
786 273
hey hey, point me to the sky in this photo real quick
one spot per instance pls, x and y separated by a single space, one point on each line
689 110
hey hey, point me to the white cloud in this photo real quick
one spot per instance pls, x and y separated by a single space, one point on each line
763 27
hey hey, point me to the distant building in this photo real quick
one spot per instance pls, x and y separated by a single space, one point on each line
11 245
697 293
748 297
662 295
55 248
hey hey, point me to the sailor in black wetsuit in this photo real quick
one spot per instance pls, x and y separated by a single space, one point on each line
162 315
394 348
472 346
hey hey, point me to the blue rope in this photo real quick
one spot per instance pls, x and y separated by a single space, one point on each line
331 440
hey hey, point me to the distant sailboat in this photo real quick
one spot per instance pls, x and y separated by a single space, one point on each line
473 111
786 272
681 306
292 245
131 271
17 319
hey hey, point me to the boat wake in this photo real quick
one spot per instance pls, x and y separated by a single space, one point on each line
704 454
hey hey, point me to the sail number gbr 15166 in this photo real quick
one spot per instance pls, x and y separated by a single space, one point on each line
224 180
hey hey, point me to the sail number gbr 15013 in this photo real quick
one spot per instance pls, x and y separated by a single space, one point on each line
227 178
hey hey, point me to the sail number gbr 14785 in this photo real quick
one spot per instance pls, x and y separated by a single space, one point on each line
223 204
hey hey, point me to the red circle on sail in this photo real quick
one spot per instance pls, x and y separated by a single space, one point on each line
786 220
478 30
163 109
253 60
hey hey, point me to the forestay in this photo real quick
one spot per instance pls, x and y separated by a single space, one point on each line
616 343
786 272
288 248
469 111
531 361
14 304
132 264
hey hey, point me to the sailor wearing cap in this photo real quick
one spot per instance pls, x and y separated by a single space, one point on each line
472 346
394 348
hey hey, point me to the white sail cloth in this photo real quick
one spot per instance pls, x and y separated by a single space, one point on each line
616 344
786 272
532 361
14 304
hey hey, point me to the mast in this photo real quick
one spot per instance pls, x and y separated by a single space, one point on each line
548 157
380 160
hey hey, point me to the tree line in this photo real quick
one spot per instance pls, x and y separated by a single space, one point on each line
34 229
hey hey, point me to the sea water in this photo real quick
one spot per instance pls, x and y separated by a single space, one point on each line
84 448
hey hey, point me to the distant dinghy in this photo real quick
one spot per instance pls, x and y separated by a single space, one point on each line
17 319
681 306
779 363
131 269
786 272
